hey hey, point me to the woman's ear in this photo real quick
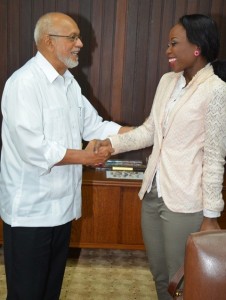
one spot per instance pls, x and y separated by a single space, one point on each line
197 51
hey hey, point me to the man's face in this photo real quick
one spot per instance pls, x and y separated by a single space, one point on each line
67 44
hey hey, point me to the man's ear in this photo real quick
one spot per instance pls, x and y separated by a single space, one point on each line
49 43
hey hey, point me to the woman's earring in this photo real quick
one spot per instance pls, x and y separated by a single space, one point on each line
196 52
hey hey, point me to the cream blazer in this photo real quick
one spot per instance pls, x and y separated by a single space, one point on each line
191 154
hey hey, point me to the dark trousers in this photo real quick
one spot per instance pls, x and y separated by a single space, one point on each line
35 260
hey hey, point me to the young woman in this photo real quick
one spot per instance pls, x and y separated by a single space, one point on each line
181 190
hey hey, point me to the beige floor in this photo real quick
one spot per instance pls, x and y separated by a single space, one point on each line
102 274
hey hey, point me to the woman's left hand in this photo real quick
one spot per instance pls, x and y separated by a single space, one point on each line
209 224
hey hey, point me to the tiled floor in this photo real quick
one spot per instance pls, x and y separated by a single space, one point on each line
102 274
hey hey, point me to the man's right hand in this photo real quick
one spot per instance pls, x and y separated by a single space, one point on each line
99 151
103 146
95 154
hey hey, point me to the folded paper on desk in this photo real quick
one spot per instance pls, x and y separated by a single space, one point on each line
125 175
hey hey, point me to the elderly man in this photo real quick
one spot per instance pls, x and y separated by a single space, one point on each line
45 118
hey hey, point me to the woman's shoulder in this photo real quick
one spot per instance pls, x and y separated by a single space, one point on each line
169 76
216 83
216 90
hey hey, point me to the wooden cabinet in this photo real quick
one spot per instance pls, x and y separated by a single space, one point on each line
111 213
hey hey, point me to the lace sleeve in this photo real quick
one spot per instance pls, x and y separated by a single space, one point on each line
139 138
214 150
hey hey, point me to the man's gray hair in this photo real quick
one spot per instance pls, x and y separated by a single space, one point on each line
43 26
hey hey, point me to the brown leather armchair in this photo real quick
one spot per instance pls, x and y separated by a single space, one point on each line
204 270
205 266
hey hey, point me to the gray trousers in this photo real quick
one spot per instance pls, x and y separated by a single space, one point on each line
165 234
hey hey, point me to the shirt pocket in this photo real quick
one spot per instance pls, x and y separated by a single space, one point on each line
54 124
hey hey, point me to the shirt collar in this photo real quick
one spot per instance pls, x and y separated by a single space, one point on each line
181 82
49 70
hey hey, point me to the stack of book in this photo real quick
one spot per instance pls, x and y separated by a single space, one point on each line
123 165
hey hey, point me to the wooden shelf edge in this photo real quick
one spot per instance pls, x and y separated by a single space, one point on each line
107 246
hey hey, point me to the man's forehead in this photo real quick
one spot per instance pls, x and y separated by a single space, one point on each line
66 24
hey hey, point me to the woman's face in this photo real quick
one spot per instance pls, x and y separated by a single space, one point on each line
180 51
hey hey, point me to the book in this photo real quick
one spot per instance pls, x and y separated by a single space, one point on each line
123 165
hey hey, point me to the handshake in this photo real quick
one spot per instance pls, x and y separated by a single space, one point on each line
98 151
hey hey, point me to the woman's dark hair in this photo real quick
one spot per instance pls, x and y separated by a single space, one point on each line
202 31
219 68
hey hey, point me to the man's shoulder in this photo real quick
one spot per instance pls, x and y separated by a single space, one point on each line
25 72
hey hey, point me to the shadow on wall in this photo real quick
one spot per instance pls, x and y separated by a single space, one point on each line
82 72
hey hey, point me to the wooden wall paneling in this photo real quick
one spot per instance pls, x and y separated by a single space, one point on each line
216 10
153 72
86 62
49 6
204 6
118 60
179 9
96 36
13 33
168 20
3 44
153 59
83 19
129 83
135 95
222 53
192 6
141 58
101 43
61 6
37 12
84 22
73 7
129 72
108 22
26 31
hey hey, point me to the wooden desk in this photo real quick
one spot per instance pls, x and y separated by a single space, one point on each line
111 213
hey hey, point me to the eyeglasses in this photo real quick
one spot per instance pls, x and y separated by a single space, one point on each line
72 38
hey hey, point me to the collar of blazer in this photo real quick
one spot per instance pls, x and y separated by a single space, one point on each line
166 88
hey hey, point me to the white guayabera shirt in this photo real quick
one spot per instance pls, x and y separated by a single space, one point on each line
44 114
